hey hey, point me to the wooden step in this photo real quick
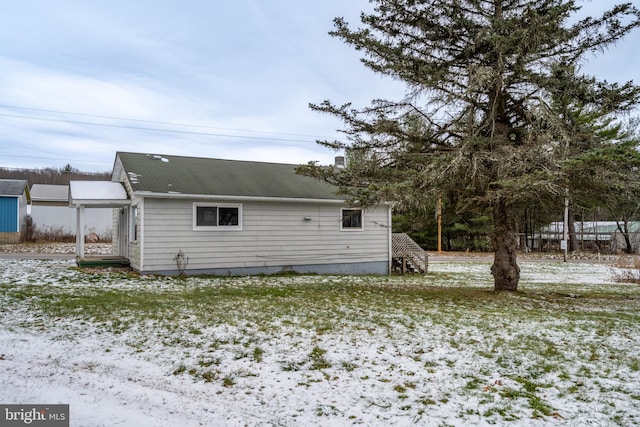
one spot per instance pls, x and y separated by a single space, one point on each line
103 261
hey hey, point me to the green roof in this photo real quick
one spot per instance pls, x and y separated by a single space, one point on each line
167 174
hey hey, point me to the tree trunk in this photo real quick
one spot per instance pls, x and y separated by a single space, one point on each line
624 230
505 269
573 238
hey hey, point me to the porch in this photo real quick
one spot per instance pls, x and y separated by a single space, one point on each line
95 194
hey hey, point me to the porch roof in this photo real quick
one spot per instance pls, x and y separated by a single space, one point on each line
97 194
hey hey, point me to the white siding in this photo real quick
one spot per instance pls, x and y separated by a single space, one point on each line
273 235
135 252
22 211
115 238
119 221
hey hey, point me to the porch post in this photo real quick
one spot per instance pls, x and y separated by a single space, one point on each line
80 231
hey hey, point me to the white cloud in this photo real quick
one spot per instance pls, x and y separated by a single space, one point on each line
247 65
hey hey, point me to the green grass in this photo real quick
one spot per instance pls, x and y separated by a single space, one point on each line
541 342
315 302
317 359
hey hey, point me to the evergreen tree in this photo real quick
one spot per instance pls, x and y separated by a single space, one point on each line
477 120
623 204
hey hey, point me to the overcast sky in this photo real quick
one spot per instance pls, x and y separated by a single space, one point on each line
81 80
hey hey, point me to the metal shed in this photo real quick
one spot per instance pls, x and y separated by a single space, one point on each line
14 200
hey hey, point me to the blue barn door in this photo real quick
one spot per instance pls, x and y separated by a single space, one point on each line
9 215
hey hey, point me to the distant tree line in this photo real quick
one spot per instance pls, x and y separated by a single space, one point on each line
472 231
54 176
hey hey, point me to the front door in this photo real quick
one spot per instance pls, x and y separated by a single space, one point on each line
123 233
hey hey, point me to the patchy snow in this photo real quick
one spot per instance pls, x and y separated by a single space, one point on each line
55 248
454 364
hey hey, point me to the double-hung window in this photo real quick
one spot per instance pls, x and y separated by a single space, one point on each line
351 219
208 216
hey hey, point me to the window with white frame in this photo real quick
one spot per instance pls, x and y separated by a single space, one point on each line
217 216
133 223
351 219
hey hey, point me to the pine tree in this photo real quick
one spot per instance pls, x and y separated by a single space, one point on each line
477 119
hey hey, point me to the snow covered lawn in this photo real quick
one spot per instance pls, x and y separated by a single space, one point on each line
436 350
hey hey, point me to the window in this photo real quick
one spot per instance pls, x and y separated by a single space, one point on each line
351 219
228 216
133 222
216 217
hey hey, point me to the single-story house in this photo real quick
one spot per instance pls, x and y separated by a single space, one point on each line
14 200
51 214
194 215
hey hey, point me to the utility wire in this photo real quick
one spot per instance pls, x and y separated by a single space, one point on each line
15 107
61 159
155 129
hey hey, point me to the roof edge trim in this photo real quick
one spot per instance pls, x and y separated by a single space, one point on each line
228 197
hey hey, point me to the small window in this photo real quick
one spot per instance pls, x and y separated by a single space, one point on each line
133 221
206 216
212 217
351 219
228 216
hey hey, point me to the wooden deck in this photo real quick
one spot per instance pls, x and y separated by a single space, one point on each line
103 261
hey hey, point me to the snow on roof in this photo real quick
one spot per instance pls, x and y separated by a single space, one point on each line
97 194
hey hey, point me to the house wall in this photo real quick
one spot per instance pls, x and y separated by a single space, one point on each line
274 237
120 243
134 248
115 232
22 211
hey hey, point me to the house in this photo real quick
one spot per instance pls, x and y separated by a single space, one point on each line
14 202
210 216
51 214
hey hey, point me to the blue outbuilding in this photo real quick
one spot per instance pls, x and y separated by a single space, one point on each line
14 201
